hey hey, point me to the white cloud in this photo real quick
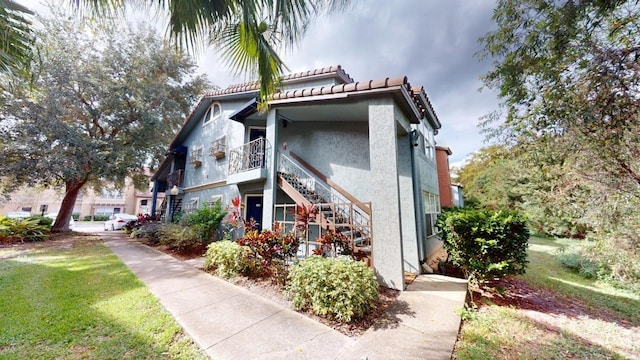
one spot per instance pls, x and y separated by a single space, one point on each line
432 42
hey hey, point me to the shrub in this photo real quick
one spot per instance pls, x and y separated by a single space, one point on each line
206 221
272 245
75 216
333 243
27 229
485 244
151 232
96 217
595 260
42 220
178 237
227 258
338 288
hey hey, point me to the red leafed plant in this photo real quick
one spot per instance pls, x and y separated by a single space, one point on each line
270 247
235 212
333 243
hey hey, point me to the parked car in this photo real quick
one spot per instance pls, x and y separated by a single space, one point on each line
118 221
18 214
72 223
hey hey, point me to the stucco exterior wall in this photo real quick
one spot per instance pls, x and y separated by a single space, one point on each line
213 170
339 150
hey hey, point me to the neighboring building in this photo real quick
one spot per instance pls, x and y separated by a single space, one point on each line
458 198
444 178
364 150
88 204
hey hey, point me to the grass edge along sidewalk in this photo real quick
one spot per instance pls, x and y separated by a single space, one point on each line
552 312
74 298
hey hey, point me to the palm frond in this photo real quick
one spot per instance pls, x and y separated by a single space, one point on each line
16 39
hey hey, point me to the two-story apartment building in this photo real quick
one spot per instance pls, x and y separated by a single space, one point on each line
363 151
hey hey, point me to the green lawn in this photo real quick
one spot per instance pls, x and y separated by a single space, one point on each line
569 317
74 299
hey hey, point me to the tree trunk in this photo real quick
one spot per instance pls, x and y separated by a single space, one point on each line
72 188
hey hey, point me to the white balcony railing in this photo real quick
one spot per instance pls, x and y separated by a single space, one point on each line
249 156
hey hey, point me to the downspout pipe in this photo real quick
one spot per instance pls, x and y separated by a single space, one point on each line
414 137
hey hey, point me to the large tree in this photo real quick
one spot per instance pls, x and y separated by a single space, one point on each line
568 73
249 33
101 108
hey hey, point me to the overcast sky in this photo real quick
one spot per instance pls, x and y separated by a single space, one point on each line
432 42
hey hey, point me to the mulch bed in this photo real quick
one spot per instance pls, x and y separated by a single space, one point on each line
269 289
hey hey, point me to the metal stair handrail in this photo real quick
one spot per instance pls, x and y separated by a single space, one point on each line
307 182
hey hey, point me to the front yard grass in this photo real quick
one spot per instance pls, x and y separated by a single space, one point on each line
74 299
552 313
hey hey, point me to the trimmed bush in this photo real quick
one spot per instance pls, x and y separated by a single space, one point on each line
150 233
178 237
336 288
42 220
485 244
227 258
97 217
206 221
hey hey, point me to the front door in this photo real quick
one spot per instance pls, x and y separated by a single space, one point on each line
254 209
257 156
256 133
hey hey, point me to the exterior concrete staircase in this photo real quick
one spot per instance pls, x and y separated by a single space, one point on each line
338 210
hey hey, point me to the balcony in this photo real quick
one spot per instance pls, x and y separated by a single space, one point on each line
175 178
247 163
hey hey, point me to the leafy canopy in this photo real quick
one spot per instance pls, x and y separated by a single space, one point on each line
101 109
568 74
248 33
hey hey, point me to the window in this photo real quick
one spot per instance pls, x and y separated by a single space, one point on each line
213 112
195 157
429 145
105 211
218 147
431 211
191 206
212 200
112 194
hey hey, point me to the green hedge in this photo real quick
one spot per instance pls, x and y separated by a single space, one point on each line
485 244
337 288
227 258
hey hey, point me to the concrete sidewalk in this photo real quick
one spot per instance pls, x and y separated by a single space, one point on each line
229 322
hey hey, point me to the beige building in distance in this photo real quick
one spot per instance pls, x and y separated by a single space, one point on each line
38 201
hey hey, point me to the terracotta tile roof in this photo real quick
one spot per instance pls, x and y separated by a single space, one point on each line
341 88
417 93
255 86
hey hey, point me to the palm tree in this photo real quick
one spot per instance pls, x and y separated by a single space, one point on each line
15 38
247 32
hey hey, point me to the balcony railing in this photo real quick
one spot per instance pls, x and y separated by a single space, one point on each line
247 157
175 178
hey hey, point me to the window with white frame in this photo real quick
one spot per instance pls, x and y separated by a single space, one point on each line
212 200
218 147
196 155
431 211
191 206
112 194
429 145
213 112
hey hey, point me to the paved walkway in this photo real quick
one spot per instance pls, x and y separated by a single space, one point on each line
229 322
